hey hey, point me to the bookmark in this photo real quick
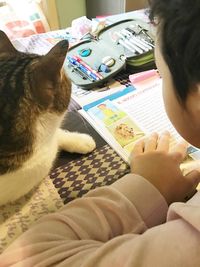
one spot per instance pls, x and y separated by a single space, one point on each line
141 76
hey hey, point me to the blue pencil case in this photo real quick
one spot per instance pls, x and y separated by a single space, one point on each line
127 44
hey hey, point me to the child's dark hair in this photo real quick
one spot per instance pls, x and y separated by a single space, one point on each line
179 29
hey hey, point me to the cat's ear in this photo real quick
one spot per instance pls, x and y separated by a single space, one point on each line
47 73
54 59
5 44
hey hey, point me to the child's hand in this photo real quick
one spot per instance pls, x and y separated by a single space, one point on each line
152 159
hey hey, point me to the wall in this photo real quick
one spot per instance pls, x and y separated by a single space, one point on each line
111 7
50 12
69 10
135 4
103 7
60 13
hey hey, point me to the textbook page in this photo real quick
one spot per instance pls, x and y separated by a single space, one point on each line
83 96
129 114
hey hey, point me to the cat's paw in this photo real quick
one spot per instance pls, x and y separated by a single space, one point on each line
79 143
85 144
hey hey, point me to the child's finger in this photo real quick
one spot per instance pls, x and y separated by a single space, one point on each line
181 147
151 142
138 147
193 179
179 151
163 142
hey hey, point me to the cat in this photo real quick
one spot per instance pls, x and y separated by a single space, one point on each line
34 96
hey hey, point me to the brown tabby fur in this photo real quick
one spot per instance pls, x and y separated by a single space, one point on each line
29 86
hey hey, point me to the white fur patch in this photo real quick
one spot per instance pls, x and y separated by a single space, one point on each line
49 138
15 184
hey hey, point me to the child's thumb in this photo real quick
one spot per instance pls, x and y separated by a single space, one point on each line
193 178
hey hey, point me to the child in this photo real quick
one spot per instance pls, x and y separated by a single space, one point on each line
129 223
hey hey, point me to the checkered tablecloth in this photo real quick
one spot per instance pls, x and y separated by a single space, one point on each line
101 167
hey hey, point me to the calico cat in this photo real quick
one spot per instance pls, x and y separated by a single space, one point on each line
34 95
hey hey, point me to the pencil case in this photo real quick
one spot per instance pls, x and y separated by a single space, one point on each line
127 44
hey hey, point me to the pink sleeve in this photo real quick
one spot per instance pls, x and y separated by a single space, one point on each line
118 225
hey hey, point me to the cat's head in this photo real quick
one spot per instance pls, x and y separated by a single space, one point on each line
38 79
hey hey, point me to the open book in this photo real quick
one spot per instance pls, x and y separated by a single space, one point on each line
129 113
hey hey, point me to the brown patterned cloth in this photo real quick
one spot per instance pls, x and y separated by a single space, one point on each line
101 167
17 217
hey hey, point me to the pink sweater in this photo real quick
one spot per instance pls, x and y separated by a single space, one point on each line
113 226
